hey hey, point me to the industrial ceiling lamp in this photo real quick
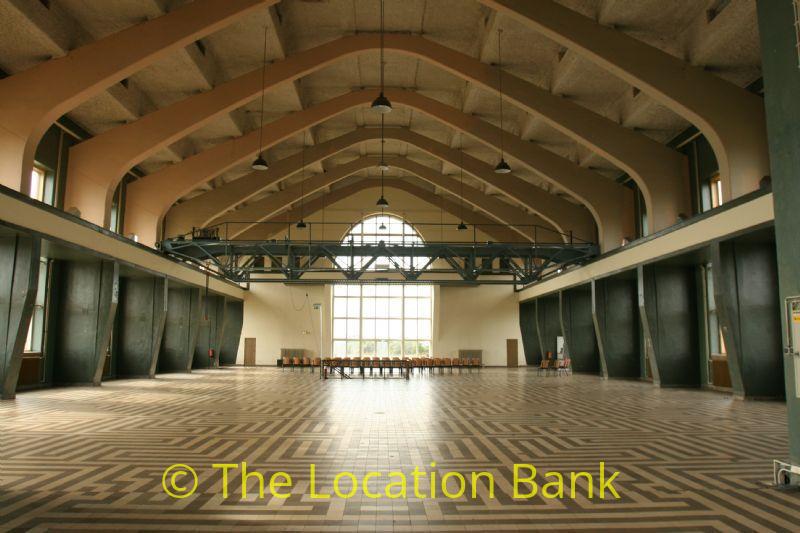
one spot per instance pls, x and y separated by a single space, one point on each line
382 104
382 227
382 165
461 225
260 163
502 167
302 224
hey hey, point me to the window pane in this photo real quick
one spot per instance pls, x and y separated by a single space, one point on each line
369 308
369 329
353 305
339 328
396 308
339 307
353 328
382 348
395 329
382 290
368 348
411 308
382 307
424 308
340 290
395 348
353 348
423 329
423 290
353 290
410 348
368 290
395 290
382 329
411 329
339 348
424 348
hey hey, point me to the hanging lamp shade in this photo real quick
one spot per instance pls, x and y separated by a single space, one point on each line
384 166
259 163
502 167
382 202
301 225
462 226
382 104
382 227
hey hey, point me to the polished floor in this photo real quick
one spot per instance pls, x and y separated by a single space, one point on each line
94 458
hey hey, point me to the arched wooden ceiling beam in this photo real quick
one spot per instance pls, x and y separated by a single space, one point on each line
201 210
659 171
277 223
149 198
32 100
239 221
731 118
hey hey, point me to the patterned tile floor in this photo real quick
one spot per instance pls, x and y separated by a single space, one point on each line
93 458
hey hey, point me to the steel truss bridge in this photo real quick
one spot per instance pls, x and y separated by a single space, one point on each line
316 261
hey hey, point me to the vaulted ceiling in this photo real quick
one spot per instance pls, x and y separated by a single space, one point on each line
719 35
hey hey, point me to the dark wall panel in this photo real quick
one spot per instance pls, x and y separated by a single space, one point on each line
86 311
670 312
142 313
617 325
579 329
530 335
212 330
184 308
234 318
547 313
746 292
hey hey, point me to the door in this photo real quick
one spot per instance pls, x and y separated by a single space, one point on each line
249 351
511 353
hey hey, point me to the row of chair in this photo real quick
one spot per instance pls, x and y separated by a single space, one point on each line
558 367
380 363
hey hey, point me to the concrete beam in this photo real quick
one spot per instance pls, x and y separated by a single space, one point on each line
32 100
19 275
182 324
143 313
87 304
730 117
199 211
486 224
149 198
235 223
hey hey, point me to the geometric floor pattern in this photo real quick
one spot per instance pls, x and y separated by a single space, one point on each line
93 458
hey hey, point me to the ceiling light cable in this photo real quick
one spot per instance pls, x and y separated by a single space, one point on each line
502 167
260 163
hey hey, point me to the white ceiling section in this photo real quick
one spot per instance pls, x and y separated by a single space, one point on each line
719 35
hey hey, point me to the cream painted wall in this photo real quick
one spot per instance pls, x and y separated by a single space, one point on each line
481 318
279 316
282 316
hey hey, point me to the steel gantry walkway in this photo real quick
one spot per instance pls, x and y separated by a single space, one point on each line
314 261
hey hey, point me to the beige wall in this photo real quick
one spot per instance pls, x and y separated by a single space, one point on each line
282 316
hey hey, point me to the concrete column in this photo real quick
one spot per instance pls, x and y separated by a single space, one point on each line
616 320
668 312
746 294
782 83
143 313
578 327
89 293
19 274
32 100
234 317
211 332
182 325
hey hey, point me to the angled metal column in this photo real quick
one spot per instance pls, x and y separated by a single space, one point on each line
19 274
32 100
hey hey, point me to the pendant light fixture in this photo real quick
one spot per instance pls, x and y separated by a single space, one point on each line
260 163
461 225
382 104
302 224
382 165
382 227
502 167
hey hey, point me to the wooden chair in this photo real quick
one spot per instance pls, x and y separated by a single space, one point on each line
305 362
475 363
566 367
295 362
447 363
286 362
316 362
544 365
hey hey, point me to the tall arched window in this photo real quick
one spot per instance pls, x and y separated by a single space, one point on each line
382 320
